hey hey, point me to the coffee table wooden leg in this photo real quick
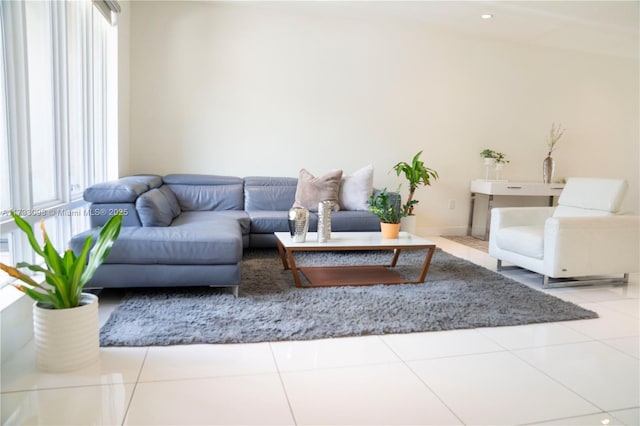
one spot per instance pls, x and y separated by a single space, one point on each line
427 262
396 254
294 268
283 256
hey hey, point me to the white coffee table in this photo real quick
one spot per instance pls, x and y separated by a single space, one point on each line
325 276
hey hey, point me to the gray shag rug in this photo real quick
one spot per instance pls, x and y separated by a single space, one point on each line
456 294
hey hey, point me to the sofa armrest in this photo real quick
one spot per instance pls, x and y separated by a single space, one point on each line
577 246
124 190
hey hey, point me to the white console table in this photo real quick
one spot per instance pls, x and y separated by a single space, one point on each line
506 188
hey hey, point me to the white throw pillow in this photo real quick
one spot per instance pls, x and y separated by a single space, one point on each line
356 189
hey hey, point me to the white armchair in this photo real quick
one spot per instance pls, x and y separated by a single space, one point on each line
584 236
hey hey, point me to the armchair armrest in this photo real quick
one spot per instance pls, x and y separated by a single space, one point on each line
578 246
519 216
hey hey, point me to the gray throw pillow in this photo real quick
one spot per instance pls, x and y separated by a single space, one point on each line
174 205
311 190
154 209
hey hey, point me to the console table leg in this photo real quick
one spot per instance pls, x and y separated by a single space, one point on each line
471 209
488 225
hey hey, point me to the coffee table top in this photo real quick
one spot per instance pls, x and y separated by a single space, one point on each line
354 240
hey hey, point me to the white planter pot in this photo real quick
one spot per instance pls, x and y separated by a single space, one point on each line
408 224
67 339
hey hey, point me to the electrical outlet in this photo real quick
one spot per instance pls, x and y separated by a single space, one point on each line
452 204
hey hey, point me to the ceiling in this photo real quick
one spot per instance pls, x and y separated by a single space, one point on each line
604 27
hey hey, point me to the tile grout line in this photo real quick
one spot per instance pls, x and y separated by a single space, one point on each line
284 388
135 387
422 381
602 410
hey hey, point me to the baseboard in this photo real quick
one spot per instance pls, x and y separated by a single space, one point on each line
438 231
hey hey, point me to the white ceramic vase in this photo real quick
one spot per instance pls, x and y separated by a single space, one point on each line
67 339
408 224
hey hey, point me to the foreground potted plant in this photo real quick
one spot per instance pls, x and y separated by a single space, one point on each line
65 320
416 174
387 207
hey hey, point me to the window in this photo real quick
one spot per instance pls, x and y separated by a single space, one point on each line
40 65
58 74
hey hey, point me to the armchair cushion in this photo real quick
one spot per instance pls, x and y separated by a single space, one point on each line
594 196
524 240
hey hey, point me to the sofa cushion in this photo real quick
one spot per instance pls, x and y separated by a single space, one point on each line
123 190
269 193
204 218
268 222
217 243
206 192
525 240
154 209
356 189
311 190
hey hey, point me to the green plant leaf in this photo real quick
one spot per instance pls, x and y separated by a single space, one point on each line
15 273
37 296
98 254
26 228
51 256
56 281
75 272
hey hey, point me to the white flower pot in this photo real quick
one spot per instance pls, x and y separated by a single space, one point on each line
67 339
408 224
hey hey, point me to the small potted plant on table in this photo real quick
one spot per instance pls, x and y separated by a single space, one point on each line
500 162
65 320
387 207
489 156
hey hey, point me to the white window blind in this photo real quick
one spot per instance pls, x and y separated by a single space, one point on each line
58 116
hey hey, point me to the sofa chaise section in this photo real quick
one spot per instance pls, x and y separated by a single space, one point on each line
180 230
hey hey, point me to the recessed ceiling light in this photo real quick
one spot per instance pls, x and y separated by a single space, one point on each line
486 16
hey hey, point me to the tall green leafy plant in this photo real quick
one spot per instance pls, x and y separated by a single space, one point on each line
66 275
416 174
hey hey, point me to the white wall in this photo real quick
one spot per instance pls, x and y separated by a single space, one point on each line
124 88
265 89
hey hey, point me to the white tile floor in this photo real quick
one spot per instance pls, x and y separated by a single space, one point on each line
569 373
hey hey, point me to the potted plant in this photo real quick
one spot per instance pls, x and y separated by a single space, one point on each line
489 156
416 174
65 319
500 162
387 207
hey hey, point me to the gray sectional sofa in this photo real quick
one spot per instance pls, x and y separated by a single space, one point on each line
190 230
